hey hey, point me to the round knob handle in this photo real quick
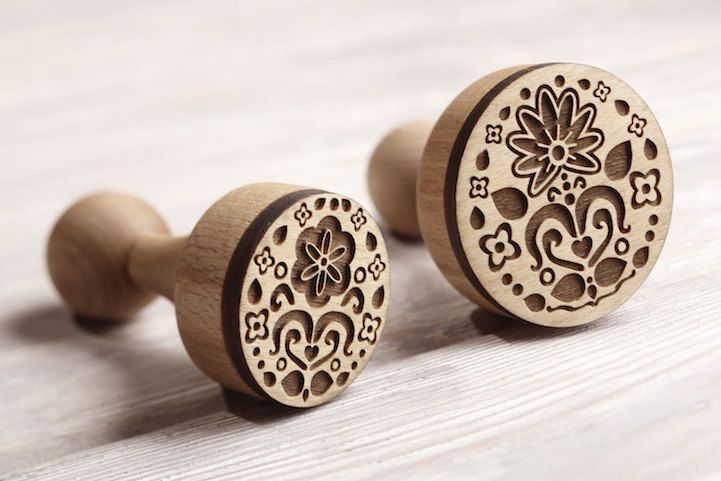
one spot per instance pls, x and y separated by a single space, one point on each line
281 292
544 192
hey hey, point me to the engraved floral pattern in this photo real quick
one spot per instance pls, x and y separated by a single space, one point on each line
257 325
369 331
264 260
602 91
358 219
376 267
637 125
500 247
556 135
493 134
322 266
645 188
479 187
303 214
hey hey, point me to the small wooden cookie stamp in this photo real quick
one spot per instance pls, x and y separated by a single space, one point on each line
544 192
280 292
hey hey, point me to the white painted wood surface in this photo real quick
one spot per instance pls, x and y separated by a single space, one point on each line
181 101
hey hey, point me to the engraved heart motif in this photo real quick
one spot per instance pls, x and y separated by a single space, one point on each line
582 247
311 352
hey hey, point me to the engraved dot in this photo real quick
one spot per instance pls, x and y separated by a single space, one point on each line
504 113
621 246
560 81
592 291
261 364
653 220
362 353
499 247
566 185
282 363
564 176
547 276
584 83
646 188
359 275
650 235
335 364
354 365
518 289
525 94
256 351
570 199
589 279
507 279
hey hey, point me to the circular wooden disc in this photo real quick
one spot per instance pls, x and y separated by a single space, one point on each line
312 297
546 192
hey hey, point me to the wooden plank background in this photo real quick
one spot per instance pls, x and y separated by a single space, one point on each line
180 101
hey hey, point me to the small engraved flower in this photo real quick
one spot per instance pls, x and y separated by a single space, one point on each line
358 219
500 247
602 91
322 266
493 134
264 260
556 135
257 325
369 331
479 187
645 188
303 214
636 126
376 267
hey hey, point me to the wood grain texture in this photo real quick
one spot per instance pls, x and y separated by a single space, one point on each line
117 96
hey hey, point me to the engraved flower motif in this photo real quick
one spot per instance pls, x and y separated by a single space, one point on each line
479 187
376 267
303 214
645 188
636 126
369 331
257 325
602 91
493 134
500 247
264 260
322 266
358 219
556 134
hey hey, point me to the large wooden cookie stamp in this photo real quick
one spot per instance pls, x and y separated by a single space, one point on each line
280 292
544 192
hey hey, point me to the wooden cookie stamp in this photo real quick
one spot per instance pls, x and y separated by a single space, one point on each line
543 193
280 292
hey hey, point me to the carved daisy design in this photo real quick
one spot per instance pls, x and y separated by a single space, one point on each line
500 247
369 331
303 214
556 134
324 254
323 265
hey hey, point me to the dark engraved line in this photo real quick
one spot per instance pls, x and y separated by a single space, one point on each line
235 278
592 303
459 146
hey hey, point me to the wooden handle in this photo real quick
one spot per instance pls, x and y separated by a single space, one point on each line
153 263
109 254
393 174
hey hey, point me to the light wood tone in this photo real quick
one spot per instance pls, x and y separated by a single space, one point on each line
88 254
393 173
562 192
240 314
179 103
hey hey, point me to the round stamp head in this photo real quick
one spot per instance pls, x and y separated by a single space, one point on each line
546 192
304 291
